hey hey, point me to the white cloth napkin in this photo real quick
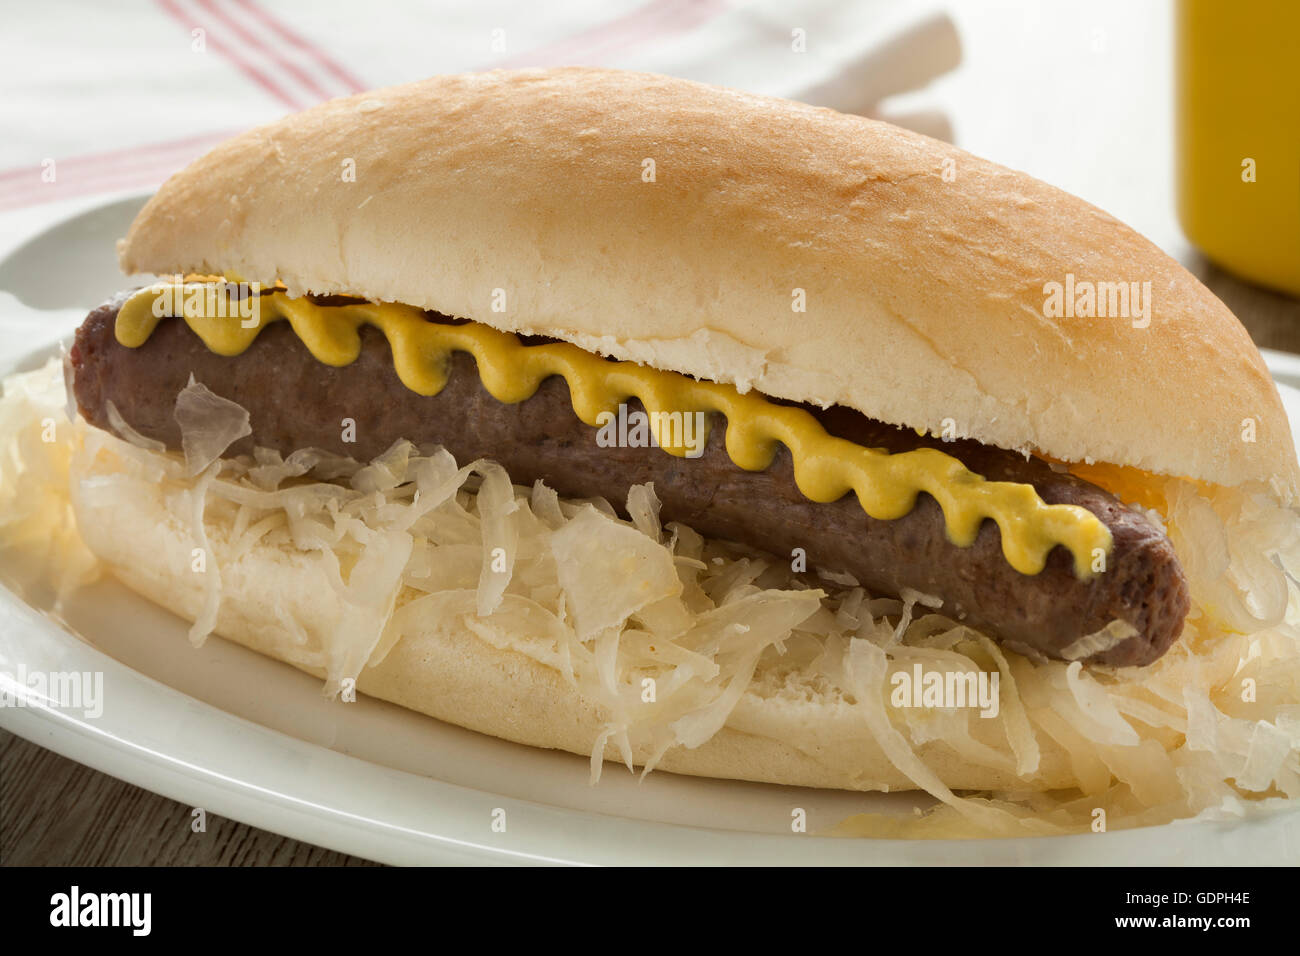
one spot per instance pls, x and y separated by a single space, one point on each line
109 99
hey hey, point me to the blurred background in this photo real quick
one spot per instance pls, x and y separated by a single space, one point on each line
1143 107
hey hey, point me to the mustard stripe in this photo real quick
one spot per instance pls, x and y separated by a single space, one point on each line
826 468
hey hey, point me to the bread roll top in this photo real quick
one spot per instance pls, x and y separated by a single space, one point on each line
810 255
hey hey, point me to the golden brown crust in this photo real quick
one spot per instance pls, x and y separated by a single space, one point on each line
923 268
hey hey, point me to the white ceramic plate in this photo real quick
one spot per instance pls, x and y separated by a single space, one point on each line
249 738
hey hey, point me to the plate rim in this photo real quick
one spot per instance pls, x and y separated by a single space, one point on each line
200 767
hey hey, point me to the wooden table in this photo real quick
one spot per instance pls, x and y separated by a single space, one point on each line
56 811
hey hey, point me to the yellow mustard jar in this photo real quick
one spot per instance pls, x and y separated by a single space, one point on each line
1238 128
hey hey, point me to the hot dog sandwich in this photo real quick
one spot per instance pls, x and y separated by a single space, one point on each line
697 430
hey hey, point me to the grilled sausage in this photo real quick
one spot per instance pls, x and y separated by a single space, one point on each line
297 402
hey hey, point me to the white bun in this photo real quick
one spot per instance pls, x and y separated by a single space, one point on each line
923 267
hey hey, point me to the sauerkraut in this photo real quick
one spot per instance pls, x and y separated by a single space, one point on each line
667 632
